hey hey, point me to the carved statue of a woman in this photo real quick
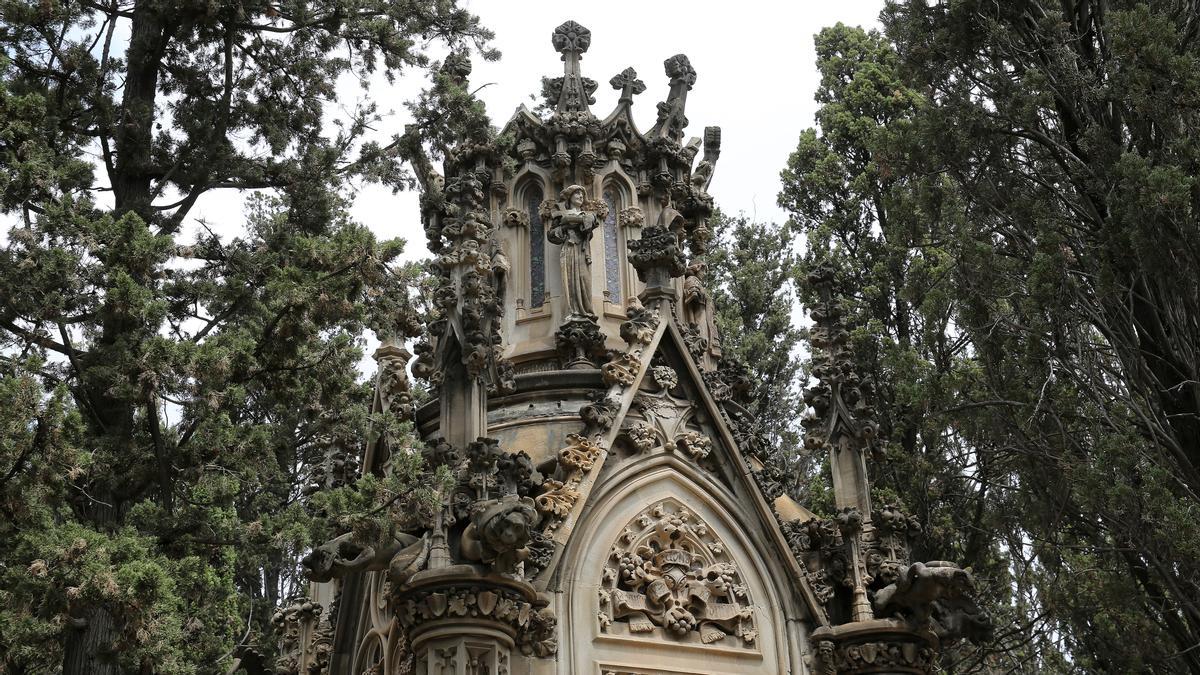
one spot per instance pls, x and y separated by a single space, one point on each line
572 229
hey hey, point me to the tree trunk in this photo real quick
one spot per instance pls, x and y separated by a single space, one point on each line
89 648
133 170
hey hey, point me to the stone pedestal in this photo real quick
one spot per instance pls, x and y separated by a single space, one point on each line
878 646
461 622
449 650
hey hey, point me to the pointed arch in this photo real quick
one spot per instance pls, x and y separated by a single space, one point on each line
617 192
528 196
643 501
612 257
537 247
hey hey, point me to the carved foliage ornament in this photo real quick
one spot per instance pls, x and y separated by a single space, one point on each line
668 574
571 37
622 370
658 248
535 628
638 328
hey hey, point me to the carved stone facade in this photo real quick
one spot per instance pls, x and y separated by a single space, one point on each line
593 497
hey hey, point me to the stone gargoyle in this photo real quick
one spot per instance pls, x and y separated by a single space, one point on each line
402 555
940 596
499 532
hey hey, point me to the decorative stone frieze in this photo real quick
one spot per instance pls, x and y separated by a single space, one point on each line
512 608
874 657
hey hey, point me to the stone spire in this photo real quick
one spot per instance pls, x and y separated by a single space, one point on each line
842 422
671 119
887 613
841 426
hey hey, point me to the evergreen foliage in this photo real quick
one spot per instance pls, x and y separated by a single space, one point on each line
751 272
1010 193
166 398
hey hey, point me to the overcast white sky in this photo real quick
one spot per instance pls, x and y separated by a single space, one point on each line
756 77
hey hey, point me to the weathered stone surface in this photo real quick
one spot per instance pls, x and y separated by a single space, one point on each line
600 484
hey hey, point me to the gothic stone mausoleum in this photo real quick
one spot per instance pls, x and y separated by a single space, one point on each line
610 509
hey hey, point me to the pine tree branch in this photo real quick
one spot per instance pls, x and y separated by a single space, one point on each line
34 338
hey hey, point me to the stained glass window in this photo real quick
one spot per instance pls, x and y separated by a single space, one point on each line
612 260
537 250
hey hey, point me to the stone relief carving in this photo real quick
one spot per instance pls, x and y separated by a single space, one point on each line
579 342
660 419
640 437
665 377
514 217
694 340
601 413
499 532
631 217
640 323
668 574
557 498
694 443
580 453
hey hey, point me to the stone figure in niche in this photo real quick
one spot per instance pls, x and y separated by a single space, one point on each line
696 306
571 229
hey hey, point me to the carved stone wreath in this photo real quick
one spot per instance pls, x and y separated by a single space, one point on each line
668 574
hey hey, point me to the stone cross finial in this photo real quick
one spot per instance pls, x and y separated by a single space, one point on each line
572 40
570 37
629 84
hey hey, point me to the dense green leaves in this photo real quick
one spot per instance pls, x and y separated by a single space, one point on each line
751 271
168 395
1009 190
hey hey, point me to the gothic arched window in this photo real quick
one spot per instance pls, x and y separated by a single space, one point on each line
537 248
612 259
